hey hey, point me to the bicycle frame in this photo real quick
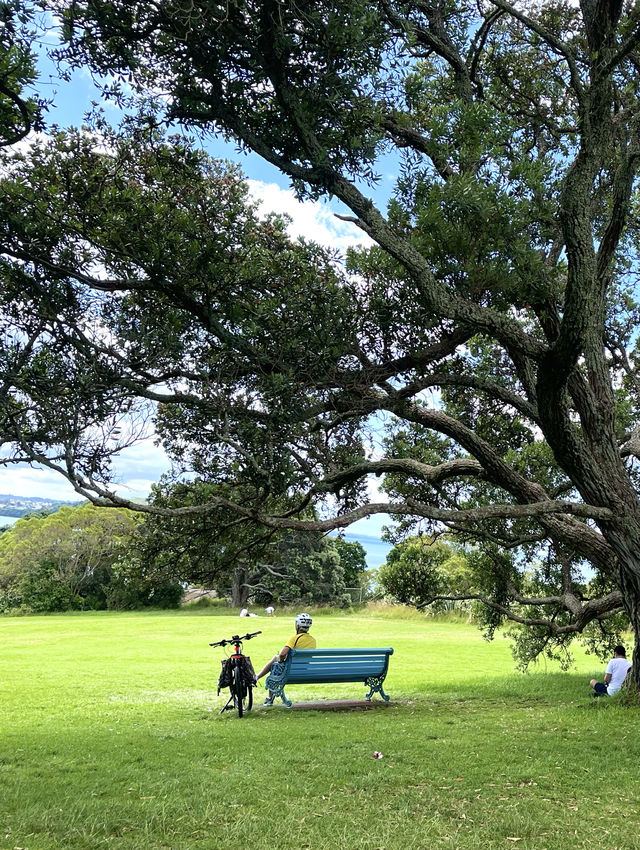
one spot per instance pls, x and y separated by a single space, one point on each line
240 689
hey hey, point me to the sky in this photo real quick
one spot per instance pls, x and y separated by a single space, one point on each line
139 467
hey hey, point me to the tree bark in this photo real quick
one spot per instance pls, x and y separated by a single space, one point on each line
626 542
631 591
239 588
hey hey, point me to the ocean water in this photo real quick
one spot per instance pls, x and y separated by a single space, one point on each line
376 550
8 520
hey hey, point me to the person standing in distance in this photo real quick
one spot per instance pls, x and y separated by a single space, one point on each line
614 675
300 640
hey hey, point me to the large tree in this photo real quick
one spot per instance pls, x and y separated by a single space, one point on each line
501 275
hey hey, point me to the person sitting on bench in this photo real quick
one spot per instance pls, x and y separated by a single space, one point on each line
301 640
615 674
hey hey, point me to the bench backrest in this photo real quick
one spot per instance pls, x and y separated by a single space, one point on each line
336 665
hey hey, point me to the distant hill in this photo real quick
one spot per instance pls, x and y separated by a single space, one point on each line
17 506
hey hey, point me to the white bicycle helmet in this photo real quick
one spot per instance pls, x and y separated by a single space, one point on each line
303 622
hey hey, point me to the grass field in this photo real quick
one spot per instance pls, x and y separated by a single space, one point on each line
110 737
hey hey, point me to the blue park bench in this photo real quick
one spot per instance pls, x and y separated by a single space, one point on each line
319 666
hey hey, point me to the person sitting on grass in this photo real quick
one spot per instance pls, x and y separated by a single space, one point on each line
615 674
301 640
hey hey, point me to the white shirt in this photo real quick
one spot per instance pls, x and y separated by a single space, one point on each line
618 668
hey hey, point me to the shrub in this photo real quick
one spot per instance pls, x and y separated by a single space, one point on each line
41 590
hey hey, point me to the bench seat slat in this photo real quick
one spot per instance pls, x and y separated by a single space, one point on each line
378 650
337 662
337 659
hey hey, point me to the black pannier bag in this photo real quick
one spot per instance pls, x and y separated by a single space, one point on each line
226 674
249 674
224 679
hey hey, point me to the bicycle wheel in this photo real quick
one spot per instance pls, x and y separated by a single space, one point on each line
242 694
248 697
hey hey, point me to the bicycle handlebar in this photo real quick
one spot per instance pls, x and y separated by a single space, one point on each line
235 639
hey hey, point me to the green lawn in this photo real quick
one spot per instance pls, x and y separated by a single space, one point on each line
110 737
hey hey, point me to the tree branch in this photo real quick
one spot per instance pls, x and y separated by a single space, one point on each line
491 389
551 40
600 609
24 112
99 494
430 474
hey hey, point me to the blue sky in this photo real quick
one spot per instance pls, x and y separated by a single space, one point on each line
140 466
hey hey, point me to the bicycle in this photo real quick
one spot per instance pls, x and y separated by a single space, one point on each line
240 683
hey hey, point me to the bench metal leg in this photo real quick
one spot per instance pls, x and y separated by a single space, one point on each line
279 692
285 700
276 681
375 685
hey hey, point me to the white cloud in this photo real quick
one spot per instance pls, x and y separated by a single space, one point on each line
142 457
34 481
370 526
137 468
314 220
374 493
135 488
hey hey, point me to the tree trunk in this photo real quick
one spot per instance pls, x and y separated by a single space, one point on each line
630 586
239 588
623 534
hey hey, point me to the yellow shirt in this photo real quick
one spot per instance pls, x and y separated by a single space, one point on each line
303 640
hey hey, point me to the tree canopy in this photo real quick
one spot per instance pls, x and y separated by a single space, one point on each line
245 562
419 570
493 316
79 557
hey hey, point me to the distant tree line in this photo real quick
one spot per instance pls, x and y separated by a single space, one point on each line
78 558
91 558
245 561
